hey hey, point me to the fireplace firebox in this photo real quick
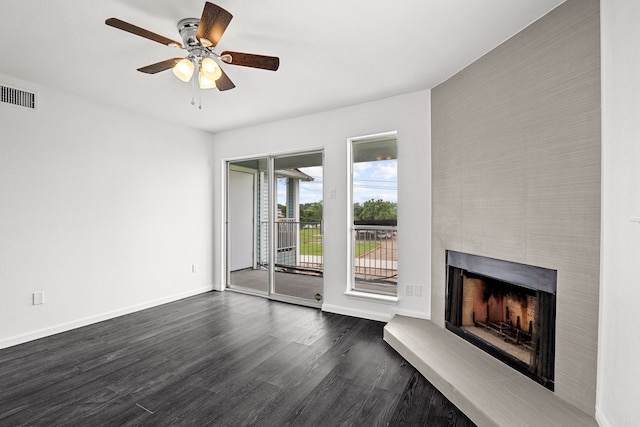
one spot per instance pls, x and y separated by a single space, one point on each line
506 309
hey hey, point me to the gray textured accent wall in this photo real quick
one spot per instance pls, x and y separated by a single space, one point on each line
516 174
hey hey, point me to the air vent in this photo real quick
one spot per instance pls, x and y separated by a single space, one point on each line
17 97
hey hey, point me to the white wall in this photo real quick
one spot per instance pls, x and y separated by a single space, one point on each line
102 210
409 115
618 371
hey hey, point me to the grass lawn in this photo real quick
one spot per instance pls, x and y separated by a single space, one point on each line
362 248
311 243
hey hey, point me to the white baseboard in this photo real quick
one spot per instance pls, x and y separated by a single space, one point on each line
363 314
64 327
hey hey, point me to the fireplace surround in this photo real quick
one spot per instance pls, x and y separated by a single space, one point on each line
506 309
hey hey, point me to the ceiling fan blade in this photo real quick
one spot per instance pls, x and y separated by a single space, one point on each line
160 66
250 60
130 28
224 82
213 23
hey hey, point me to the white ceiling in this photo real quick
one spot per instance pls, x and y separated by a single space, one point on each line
333 53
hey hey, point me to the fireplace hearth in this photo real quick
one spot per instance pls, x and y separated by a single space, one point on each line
506 309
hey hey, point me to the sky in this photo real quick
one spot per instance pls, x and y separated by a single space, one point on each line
371 180
375 180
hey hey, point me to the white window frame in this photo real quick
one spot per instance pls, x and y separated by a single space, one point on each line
350 292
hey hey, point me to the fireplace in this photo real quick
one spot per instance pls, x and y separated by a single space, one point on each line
506 309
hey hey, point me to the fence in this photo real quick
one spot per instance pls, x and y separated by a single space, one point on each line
375 261
299 246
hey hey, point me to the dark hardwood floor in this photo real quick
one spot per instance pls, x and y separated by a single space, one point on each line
218 359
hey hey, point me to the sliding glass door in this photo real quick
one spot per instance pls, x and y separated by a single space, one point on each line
248 226
298 265
274 227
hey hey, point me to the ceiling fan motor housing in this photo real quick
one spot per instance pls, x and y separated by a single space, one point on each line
188 28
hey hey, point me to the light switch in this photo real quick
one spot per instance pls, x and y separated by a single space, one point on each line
38 298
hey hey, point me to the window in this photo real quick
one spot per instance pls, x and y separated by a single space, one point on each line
374 197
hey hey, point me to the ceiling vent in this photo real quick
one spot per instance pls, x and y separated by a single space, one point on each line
17 97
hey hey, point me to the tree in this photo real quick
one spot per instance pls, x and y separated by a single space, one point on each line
357 211
282 211
311 212
375 210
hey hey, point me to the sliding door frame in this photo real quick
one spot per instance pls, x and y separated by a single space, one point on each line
271 225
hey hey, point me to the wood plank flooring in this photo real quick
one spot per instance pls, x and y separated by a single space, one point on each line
224 359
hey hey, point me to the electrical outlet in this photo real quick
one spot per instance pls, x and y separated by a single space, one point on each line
332 194
193 268
408 289
38 298
417 290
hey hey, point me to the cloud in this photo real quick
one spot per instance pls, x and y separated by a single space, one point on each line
378 180
372 180
310 192
385 172
359 168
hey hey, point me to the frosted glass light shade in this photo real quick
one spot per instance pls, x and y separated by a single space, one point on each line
210 69
183 70
205 82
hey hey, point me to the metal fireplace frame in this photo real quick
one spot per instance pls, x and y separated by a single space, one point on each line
541 280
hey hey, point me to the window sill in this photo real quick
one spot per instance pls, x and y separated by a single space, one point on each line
366 296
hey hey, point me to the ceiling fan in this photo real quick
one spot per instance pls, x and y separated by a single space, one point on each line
199 39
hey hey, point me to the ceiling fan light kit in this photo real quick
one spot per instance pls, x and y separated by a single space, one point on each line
210 69
205 82
199 39
184 70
